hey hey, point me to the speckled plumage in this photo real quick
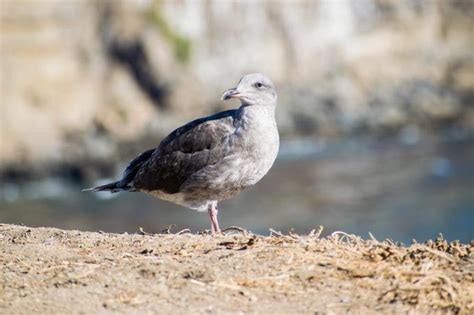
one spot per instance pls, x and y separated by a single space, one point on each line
212 158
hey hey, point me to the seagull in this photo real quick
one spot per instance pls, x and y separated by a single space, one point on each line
213 158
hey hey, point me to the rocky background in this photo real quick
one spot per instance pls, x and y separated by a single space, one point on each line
85 84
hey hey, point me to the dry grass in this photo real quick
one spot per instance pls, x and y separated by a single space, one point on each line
47 270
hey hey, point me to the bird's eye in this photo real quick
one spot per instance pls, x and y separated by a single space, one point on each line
258 85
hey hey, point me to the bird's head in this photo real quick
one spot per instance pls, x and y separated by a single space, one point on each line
253 89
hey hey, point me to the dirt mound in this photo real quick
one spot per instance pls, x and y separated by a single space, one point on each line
46 270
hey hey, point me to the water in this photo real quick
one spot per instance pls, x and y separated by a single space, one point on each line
404 188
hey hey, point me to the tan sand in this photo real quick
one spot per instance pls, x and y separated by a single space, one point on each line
50 271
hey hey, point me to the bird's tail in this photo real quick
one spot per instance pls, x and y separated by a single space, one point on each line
112 187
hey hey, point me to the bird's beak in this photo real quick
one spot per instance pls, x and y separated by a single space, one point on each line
230 93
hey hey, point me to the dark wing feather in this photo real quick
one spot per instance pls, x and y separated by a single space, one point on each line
185 151
127 177
190 125
133 167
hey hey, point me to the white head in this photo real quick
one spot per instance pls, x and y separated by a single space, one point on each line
253 89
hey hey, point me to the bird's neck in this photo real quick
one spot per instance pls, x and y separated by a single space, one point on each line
255 111
257 116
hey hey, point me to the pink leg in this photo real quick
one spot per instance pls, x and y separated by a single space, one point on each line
212 211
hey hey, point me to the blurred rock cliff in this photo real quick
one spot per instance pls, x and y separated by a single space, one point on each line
85 84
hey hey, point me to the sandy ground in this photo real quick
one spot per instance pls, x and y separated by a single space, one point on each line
49 271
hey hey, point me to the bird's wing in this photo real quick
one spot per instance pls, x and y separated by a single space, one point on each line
133 167
186 150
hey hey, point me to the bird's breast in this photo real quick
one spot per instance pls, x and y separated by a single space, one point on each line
256 149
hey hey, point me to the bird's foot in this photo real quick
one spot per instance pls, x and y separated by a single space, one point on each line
215 230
